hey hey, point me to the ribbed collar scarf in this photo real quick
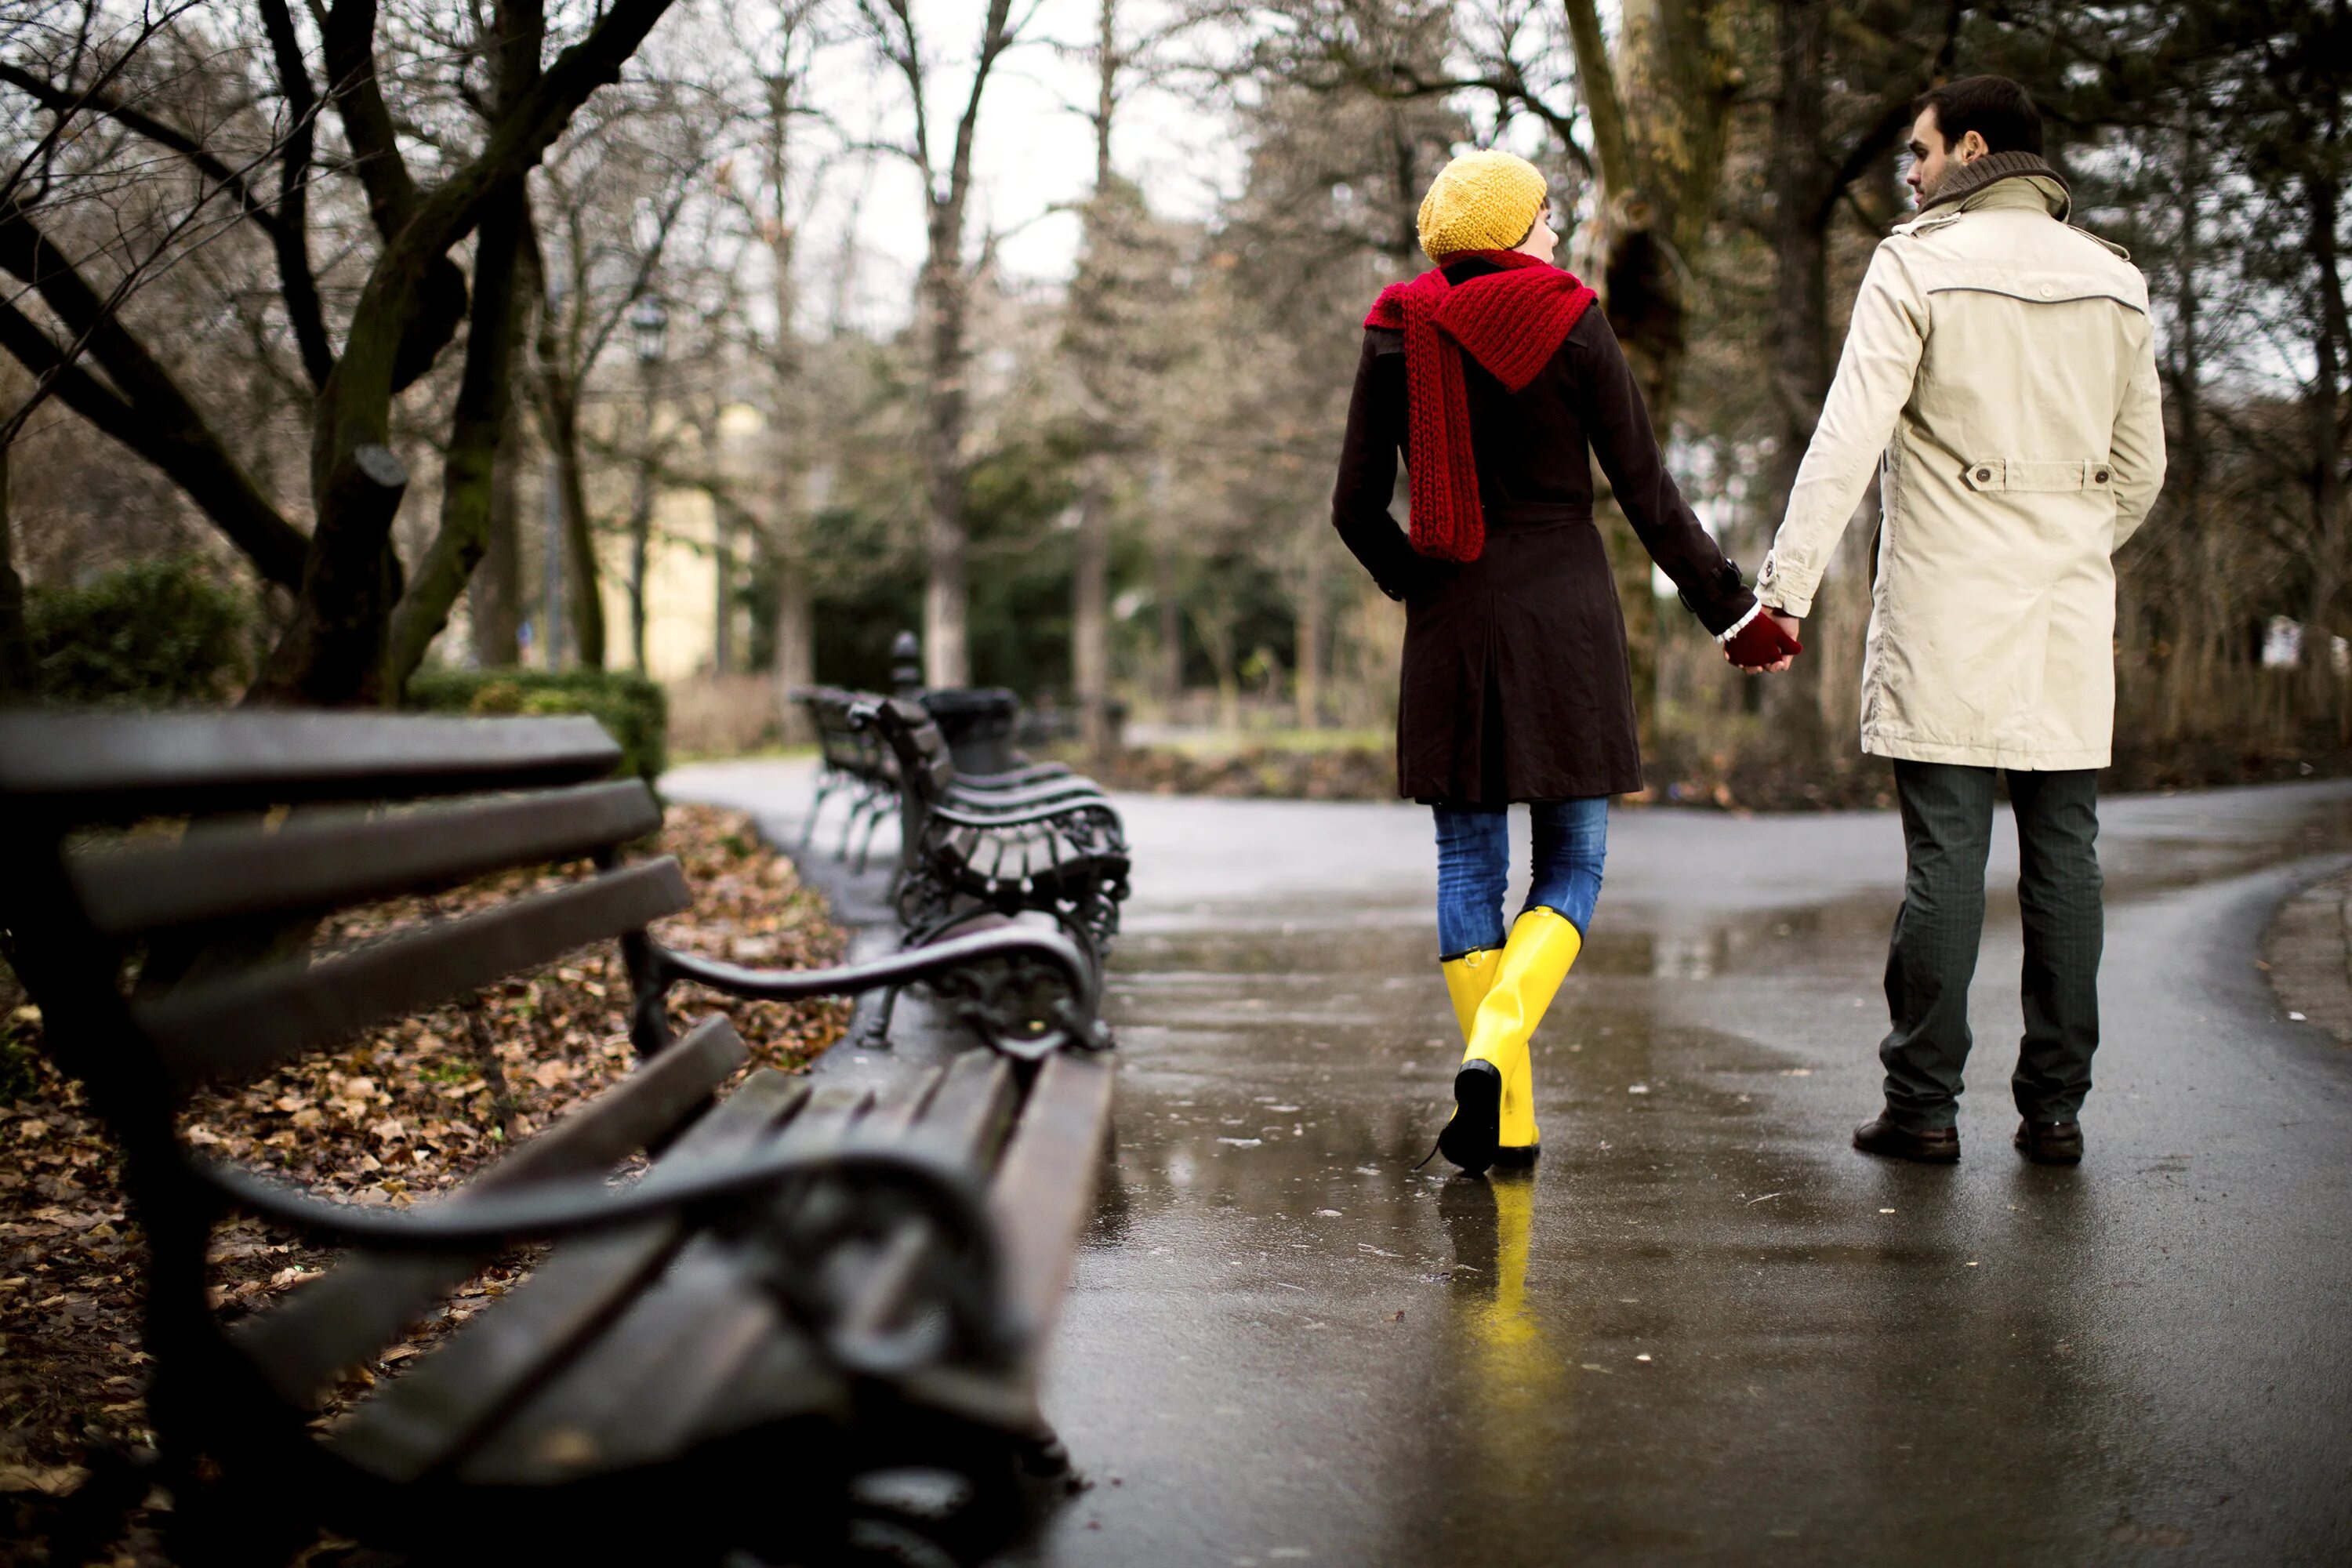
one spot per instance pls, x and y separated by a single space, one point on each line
1511 322
1968 179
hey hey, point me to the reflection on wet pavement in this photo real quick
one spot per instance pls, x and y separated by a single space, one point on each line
1703 1329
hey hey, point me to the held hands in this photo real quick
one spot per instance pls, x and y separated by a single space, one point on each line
1766 645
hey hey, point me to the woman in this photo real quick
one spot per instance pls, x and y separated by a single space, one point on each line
1493 372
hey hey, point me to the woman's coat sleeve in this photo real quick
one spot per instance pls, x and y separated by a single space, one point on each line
1617 423
1368 467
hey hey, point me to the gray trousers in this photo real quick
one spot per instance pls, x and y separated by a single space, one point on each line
1947 834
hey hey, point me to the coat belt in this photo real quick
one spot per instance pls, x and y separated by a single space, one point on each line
1527 515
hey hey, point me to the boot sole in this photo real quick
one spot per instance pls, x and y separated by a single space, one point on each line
1915 1157
1517 1154
2038 1157
1472 1140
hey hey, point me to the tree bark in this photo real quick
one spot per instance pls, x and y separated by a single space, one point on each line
946 592
494 602
1797 334
583 606
2322 687
480 418
641 543
18 680
1090 609
1308 657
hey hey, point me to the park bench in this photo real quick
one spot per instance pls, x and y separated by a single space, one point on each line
855 764
807 1293
1043 847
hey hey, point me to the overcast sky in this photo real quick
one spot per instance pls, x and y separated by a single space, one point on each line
1032 154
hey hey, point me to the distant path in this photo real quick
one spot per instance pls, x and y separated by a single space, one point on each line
1696 1336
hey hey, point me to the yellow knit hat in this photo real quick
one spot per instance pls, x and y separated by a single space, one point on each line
1486 200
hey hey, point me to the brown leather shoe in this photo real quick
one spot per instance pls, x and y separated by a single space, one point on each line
1883 1137
2050 1142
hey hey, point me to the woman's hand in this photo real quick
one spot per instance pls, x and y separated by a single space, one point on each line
1766 645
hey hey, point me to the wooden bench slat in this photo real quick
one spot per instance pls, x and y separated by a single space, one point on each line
1043 1188
363 1302
428 1415
90 767
965 1120
633 1394
338 856
237 1027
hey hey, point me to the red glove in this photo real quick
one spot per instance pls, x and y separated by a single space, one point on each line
1761 644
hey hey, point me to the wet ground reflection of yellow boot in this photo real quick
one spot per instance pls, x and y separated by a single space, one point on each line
1494 1092
1515 1376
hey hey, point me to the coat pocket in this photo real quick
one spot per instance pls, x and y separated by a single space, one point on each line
2029 475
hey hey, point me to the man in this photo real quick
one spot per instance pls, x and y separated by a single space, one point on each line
2001 373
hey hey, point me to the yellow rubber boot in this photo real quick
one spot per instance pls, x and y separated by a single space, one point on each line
1495 1117
1467 980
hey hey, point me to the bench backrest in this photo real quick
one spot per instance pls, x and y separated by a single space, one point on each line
286 818
925 766
842 745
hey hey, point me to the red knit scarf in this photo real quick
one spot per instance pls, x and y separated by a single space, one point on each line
1512 323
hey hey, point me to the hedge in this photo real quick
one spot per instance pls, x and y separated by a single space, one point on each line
631 708
154 633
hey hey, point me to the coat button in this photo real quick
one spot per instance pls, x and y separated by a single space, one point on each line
1984 475
2047 291
2100 478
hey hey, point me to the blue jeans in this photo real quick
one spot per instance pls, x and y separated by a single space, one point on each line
1473 852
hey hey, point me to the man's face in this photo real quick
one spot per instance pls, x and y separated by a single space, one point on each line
1929 158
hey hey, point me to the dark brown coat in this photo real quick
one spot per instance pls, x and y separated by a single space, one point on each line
1515 685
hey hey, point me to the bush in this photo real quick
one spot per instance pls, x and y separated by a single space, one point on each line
152 634
631 708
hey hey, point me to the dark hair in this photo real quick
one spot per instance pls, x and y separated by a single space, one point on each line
1994 107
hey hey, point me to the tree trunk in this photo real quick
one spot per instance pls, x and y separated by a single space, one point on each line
560 415
795 612
947 660
1308 657
1798 334
1090 609
1167 594
722 609
478 422
2322 687
18 680
494 598
641 541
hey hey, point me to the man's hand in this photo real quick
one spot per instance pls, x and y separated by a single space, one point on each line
1787 625
1767 643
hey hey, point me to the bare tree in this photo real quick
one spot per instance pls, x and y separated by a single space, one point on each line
344 576
944 297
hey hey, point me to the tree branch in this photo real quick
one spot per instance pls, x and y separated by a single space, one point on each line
1612 141
291 234
349 39
163 425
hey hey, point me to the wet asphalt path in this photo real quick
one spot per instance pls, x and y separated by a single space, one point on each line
1705 1331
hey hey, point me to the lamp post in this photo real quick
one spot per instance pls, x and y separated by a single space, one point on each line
649 326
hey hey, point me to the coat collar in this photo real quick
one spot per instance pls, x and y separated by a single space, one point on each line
1982 185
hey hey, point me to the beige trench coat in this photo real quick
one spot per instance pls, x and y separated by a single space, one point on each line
2000 374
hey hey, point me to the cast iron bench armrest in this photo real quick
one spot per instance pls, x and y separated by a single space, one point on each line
728 1190
1075 1024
